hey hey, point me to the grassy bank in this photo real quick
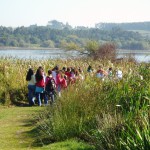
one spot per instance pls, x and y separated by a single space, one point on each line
16 127
18 131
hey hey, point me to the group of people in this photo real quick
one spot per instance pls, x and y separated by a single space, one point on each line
101 73
42 86
48 87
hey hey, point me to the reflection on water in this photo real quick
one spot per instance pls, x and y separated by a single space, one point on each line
141 56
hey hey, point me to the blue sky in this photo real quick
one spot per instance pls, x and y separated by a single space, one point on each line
76 12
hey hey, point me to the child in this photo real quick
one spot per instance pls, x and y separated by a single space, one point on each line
40 85
119 74
31 86
50 86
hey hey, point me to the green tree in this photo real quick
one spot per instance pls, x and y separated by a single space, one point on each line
91 47
49 44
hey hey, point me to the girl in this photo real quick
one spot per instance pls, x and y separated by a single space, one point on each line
101 73
31 86
40 85
50 86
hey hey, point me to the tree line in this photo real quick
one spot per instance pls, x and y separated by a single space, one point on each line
59 35
125 26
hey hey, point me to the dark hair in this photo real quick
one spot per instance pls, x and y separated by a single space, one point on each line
68 69
65 77
73 70
56 67
29 74
89 68
49 72
80 70
40 67
64 68
38 75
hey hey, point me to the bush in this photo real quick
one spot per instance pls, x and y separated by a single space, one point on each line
105 51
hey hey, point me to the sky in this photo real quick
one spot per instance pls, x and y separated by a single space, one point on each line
87 13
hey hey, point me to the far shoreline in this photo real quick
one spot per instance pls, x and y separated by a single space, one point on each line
119 51
27 48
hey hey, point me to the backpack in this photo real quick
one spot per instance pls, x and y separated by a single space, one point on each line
50 86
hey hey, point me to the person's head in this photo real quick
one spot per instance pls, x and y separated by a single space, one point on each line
40 67
100 67
72 70
89 67
76 72
80 70
56 68
29 74
110 69
68 69
49 72
39 74
64 69
41 70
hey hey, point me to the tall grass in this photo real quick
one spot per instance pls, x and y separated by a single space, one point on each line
103 113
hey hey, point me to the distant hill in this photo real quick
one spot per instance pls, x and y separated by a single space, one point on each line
59 35
124 26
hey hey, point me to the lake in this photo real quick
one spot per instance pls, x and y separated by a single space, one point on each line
140 55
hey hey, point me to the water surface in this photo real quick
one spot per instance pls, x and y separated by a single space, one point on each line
141 56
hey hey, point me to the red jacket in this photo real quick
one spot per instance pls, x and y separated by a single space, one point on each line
68 74
40 83
64 83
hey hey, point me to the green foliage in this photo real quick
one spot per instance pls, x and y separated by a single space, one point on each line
70 145
49 44
135 135
72 46
57 32
92 47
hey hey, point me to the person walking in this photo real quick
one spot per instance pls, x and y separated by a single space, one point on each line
50 86
40 86
30 77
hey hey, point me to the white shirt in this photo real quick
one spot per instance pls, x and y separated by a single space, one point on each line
54 75
119 74
32 81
